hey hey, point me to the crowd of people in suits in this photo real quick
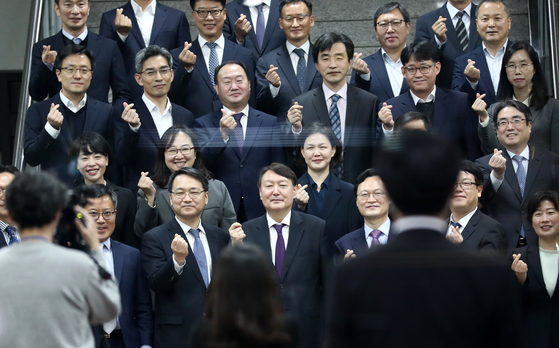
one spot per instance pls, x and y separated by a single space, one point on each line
249 142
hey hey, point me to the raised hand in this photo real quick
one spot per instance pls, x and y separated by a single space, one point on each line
455 236
480 106
187 58
242 28
349 255
295 116
237 234
130 115
55 117
302 197
123 24
471 72
273 77
48 55
359 64
520 268
146 185
385 116
440 29
498 163
179 246
227 124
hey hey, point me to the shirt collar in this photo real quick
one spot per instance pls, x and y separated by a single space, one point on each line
452 11
305 47
387 58
250 3
501 50
138 9
152 107
419 222
185 228
271 222
82 36
328 93
244 111
326 181
384 228
525 102
464 221
107 243
3 226
70 104
430 97
220 41
525 153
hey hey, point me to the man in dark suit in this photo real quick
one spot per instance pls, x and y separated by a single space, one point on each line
52 125
373 204
9 232
289 70
141 23
380 73
254 26
515 172
450 112
295 243
134 326
350 111
397 295
453 29
144 122
178 258
479 71
109 71
237 141
467 224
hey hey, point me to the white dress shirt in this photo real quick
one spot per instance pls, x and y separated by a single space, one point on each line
163 121
463 222
274 234
466 18
419 222
144 18
342 105
525 154
244 120
294 62
206 50
394 71
71 106
383 238
494 64
254 11
190 238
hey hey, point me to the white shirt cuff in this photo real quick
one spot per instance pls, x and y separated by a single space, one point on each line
135 129
495 182
366 77
295 131
485 123
178 268
122 37
274 90
145 346
439 43
52 131
387 132
473 85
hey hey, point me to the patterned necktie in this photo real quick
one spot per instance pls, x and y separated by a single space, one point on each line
461 31
280 249
260 26
11 231
301 68
239 136
214 61
521 177
375 234
76 40
456 224
200 256
335 117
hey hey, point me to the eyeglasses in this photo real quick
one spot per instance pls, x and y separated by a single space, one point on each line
522 66
424 69
515 122
465 185
151 72
395 23
72 71
366 195
107 215
194 194
301 18
204 13
173 151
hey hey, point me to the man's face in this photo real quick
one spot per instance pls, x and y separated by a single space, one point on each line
333 64
76 82
419 82
513 136
493 23
394 35
92 166
464 200
233 87
276 192
73 14
5 179
99 207
376 205
188 199
297 31
156 77
210 28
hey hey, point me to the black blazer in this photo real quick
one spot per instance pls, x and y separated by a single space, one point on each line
179 298
485 234
109 70
125 216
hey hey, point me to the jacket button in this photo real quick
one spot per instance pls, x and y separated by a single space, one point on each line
281 286
238 184
241 165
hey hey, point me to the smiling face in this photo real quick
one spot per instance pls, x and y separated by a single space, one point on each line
100 205
158 85
518 77
73 14
277 192
493 23
233 87
77 83
318 152
372 208
188 208
93 167
391 38
546 221
297 32
183 158
5 179
333 65
210 28
513 138
421 84
463 200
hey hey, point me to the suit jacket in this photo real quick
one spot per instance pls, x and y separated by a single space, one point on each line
239 171
379 84
109 70
41 148
453 116
274 37
354 240
540 310
361 116
170 30
179 298
126 207
417 270
130 144
507 205
452 48
289 88
485 234
194 90
305 270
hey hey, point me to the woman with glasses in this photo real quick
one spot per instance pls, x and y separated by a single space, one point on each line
178 148
522 79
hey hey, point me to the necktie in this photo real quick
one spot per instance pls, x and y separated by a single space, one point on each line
335 117
461 31
11 231
109 326
375 234
214 61
260 26
455 224
239 132
77 40
280 249
200 256
521 177
301 68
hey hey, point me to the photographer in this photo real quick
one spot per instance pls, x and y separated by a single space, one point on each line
50 294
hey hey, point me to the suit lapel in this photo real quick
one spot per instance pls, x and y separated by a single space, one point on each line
148 125
474 35
440 109
228 53
118 260
332 198
353 102
284 63
212 242
296 231
90 115
273 17
407 103
359 242
379 69
481 63
253 128
470 228
175 228
128 11
319 103
533 256
262 237
451 32
311 71
510 176
158 21
201 63
534 165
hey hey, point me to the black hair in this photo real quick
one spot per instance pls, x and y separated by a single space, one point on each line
70 50
505 5
97 191
8 168
231 62
327 40
421 51
472 168
389 7
411 116
150 52
89 143
279 169
193 173
193 3
319 128
363 176
538 198
509 103
287 2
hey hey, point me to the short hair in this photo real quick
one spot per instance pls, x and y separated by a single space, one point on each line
8 168
97 191
58 1
505 5
70 50
421 51
34 198
279 169
89 143
193 3
319 128
509 103
419 171
231 62
150 52
389 7
363 176
288 2
327 40
538 198
472 168
411 116
191 172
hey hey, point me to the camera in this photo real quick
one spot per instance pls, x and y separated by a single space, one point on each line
66 232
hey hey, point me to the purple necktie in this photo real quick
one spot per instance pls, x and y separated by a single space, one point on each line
260 26
239 132
375 234
280 249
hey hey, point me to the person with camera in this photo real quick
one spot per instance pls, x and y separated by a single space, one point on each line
51 294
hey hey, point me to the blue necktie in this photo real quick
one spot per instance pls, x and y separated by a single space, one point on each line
301 68
335 117
77 40
260 26
521 177
200 256
11 231
214 61
455 224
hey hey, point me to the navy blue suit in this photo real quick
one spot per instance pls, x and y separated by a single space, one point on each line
485 234
239 172
137 151
355 241
179 298
194 90
109 70
452 48
41 148
379 84
273 36
289 88
170 30
453 118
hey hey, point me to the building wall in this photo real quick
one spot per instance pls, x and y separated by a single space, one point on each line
13 37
